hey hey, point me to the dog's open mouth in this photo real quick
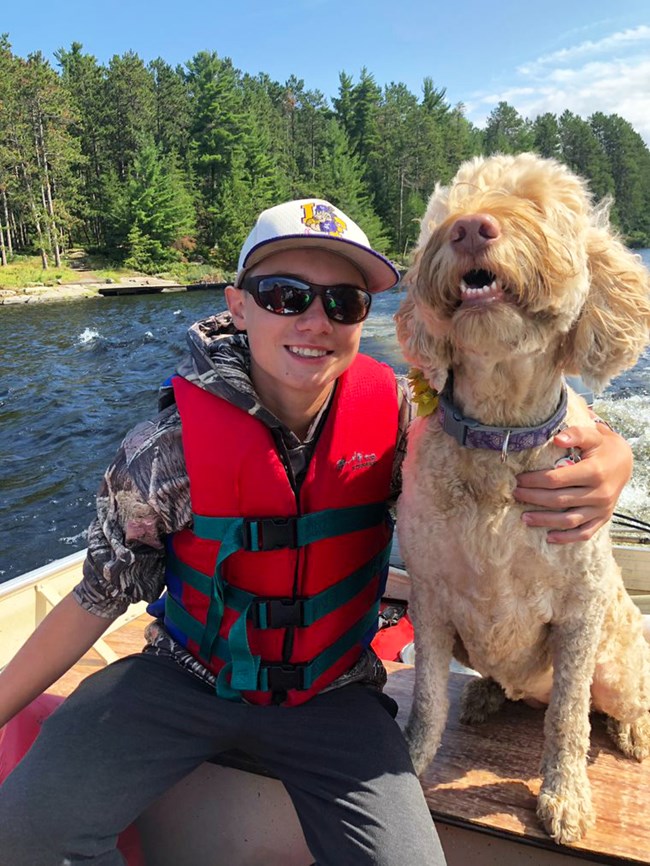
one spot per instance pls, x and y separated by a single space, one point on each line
480 287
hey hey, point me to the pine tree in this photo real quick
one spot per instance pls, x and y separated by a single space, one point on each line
85 83
343 104
172 110
395 170
340 181
159 209
583 153
434 100
358 110
506 131
8 113
130 110
629 164
37 152
217 130
546 135
462 140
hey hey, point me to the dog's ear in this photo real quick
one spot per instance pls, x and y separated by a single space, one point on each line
614 325
423 341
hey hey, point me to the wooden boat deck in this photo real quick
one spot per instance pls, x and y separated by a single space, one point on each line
484 778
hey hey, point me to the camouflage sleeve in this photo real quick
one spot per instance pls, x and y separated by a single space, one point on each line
406 415
143 497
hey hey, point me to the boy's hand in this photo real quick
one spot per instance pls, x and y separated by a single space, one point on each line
578 499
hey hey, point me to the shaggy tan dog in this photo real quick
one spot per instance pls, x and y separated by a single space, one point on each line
516 280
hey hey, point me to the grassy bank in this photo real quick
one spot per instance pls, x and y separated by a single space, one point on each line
80 267
25 271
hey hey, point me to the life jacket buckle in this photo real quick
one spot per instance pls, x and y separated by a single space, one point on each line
270 533
278 612
282 678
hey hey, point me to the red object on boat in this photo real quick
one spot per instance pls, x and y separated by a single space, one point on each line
391 639
15 740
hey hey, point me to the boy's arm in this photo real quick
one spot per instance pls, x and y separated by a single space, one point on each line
143 496
63 637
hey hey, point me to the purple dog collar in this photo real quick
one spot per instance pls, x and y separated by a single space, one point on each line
472 434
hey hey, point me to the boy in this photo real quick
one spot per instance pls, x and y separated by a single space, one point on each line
258 499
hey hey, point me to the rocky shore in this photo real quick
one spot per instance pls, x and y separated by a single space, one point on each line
77 291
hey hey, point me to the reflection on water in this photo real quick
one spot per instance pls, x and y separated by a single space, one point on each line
77 375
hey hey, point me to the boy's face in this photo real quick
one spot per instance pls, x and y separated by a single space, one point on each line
297 358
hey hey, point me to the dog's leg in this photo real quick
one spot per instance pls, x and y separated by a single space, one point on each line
434 640
621 686
481 698
564 803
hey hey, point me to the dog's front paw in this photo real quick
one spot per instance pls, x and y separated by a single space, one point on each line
633 739
481 698
564 808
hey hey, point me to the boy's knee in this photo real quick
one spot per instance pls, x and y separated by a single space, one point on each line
33 829
19 830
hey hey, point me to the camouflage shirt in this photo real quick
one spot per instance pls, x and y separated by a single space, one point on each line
144 495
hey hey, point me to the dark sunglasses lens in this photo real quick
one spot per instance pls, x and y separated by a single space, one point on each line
287 297
346 304
283 297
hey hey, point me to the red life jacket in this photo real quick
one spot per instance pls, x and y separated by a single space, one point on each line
274 592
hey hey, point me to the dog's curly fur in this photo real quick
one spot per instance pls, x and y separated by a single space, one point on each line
543 622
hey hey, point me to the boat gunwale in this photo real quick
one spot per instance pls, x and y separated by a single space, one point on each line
43 572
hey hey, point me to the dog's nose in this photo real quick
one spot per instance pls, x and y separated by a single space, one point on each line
471 233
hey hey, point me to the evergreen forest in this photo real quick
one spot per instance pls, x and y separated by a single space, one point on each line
152 164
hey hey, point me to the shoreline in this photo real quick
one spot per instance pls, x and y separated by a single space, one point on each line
78 291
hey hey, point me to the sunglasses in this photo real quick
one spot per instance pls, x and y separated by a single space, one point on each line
289 296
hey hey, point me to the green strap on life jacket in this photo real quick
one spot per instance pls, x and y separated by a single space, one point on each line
251 534
256 676
232 540
311 527
308 673
244 534
312 608
246 667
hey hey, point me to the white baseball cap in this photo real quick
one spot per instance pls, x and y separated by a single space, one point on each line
312 222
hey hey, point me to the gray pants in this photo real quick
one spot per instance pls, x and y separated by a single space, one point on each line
137 727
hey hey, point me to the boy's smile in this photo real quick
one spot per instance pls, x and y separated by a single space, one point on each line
296 359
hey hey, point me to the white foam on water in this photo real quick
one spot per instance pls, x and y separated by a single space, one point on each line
88 335
630 416
74 539
634 499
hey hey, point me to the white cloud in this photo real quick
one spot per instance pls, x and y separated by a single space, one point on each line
615 42
604 75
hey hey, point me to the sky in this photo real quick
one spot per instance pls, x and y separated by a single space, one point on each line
581 55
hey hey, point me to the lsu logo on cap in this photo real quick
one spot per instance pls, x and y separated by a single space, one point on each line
321 218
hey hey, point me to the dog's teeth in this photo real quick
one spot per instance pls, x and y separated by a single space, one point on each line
475 291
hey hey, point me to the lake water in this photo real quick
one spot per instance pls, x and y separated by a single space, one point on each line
76 375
